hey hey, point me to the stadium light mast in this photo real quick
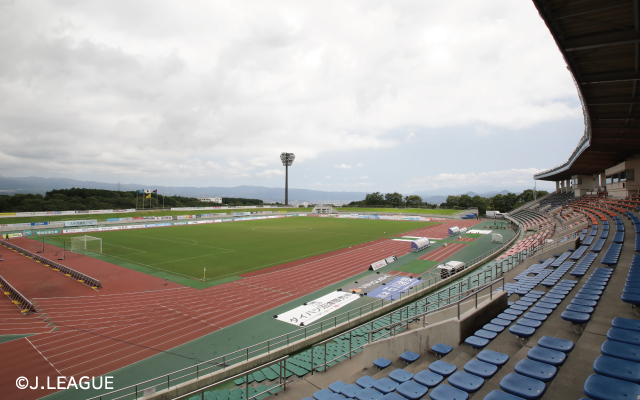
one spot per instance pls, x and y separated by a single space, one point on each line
287 160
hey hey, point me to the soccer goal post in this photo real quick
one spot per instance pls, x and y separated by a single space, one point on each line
86 244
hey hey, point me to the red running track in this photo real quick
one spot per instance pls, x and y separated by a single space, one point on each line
441 231
442 253
109 332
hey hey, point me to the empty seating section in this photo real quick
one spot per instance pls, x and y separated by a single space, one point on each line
528 242
553 202
531 219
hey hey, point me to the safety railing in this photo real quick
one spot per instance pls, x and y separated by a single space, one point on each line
17 298
282 383
70 272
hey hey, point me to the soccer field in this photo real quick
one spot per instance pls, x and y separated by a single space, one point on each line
233 248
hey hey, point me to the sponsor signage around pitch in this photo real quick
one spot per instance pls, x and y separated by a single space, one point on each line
393 290
377 265
369 283
85 222
316 309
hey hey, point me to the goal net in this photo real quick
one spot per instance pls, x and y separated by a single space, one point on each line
86 244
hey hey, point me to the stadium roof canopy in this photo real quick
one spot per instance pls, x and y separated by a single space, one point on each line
599 40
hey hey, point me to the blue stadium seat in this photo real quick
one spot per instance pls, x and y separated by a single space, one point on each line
392 396
366 382
521 331
547 356
369 394
480 368
412 390
626 323
541 310
501 322
382 363
442 368
522 386
536 316
441 349
624 336
385 385
409 356
588 303
322 394
400 375
493 357
428 378
532 323
580 309
350 391
465 381
536 370
477 342
617 368
494 328
500 395
600 387
336 387
621 350
556 344
446 392
489 335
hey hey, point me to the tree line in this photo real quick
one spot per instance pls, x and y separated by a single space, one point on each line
499 202
101 199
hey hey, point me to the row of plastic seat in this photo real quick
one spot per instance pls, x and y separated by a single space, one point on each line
560 259
528 381
618 368
578 313
631 292
578 253
583 265
635 220
598 245
612 254
619 224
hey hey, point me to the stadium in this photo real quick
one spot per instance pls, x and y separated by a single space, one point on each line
241 304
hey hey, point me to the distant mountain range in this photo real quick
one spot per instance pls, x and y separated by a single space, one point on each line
34 184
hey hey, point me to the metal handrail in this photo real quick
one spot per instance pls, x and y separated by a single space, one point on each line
282 380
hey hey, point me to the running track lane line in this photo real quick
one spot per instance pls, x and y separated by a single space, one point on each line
443 253
54 367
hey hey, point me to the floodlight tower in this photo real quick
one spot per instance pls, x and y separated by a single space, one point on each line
287 160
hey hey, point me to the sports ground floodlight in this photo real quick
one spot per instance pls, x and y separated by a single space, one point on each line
287 160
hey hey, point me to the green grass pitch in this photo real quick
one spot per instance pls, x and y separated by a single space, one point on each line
233 248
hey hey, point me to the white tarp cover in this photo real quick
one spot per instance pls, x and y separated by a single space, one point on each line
480 231
316 309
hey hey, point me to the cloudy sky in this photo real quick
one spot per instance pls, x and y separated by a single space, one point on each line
369 94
